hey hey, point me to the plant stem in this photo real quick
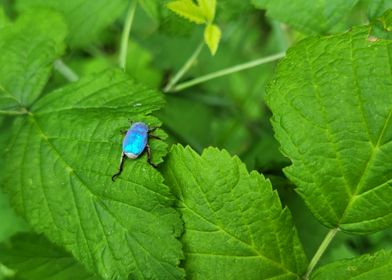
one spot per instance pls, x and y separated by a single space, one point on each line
228 71
12 113
64 70
125 34
184 68
320 251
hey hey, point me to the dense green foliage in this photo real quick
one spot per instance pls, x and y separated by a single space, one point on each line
307 194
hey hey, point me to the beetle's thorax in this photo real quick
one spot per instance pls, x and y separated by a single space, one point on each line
139 127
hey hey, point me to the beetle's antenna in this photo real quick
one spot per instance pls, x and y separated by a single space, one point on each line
149 156
120 168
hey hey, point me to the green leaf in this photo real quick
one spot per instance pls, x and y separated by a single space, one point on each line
376 266
212 36
382 27
235 227
332 105
32 256
233 9
86 19
187 9
151 7
58 173
208 8
310 17
378 7
27 51
139 61
386 20
10 222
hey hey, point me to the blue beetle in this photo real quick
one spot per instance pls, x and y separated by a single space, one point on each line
135 143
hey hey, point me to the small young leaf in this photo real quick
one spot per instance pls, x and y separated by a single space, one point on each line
235 227
32 256
86 19
212 36
208 8
332 113
58 169
28 48
377 266
187 9
310 17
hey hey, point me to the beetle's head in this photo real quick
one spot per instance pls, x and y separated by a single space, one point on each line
140 127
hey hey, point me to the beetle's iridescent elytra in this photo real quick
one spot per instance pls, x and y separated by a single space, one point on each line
134 144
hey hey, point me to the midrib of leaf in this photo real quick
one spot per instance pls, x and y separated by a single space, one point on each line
242 212
257 253
70 171
375 148
327 128
11 96
375 151
250 246
354 192
158 261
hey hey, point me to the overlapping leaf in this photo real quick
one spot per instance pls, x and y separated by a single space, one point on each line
332 107
377 266
310 17
32 256
64 153
86 19
64 148
28 51
235 227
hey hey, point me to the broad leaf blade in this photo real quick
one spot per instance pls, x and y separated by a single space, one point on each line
65 151
32 256
377 266
28 48
332 107
86 19
310 17
235 227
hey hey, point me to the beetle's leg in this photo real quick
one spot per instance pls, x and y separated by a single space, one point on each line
120 168
152 129
154 137
123 131
149 156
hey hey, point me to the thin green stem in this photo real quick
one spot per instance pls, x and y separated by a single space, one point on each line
228 71
125 34
184 68
65 71
320 251
23 111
